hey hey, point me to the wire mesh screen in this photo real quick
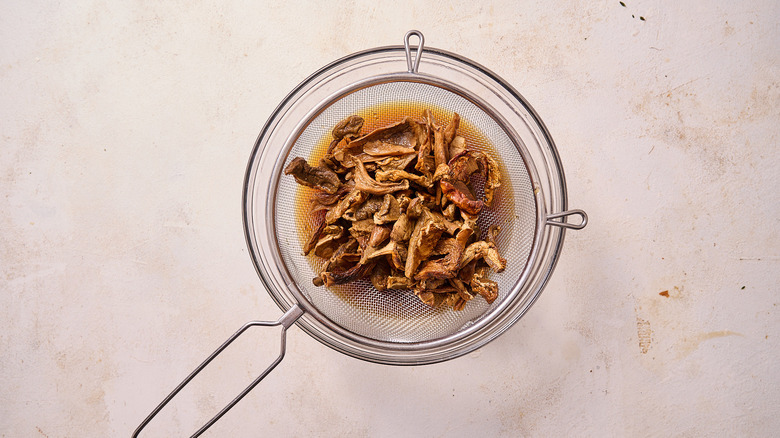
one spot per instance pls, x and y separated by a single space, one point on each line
398 315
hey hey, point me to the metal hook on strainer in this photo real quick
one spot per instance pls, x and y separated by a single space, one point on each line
395 327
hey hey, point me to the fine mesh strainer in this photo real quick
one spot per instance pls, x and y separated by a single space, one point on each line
395 327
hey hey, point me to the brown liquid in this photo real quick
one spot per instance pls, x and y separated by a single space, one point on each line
376 117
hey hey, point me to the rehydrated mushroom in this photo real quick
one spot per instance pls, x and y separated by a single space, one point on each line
352 198
446 267
372 253
457 145
461 196
346 255
399 162
402 229
398 256
318 177
366 184
486 251
484 286
425 235
366 210
324 198
379 275
492 180
397 207
361 231
389 211
348 128
330 278
379 234
315 235
328 241
399 282
465 164
400 175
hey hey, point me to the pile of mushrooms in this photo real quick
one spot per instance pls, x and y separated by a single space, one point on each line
397 206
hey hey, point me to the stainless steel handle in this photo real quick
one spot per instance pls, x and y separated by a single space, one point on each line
285 321
413 65
563 214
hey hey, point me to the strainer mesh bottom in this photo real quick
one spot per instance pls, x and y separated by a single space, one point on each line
399 316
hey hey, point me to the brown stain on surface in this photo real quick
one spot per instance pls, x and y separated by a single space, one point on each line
644 333
690 344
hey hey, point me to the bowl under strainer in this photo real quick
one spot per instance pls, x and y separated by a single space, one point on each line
395 327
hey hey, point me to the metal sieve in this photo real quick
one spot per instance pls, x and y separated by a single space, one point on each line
395 327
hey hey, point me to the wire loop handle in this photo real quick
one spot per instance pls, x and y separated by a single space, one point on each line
413 66
285 321
563 214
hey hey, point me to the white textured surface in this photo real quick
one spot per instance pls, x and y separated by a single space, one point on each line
125 130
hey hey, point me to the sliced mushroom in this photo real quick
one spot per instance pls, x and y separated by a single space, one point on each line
463 165
345 255
389 211
328 241
399 282
352 198
446 267
382 149
425 235
325 198
486 251
449 226
439 148
361 231
451 129
366 210
318 177
463 291
457 146
402 229
426 163
379 234
467 272
415 208
484 286
492 180
395 139
399 162
461 196
365 183
449 211
398 256
348 128
379 275
442 172
374 253
319 225
354 273
400 175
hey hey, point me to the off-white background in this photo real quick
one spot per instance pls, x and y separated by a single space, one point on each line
125 128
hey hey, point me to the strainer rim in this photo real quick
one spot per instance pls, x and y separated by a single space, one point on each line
262 265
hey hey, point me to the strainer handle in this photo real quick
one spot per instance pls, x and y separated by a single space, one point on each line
285 321
563 214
